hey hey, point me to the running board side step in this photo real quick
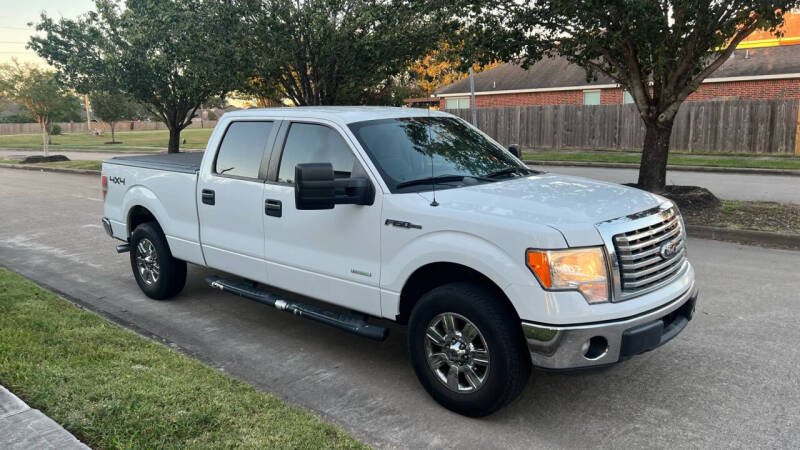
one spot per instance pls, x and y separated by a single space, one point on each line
350 322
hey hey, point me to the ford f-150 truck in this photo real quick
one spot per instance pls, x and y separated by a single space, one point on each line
344 215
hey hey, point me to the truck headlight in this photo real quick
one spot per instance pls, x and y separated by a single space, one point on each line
583 269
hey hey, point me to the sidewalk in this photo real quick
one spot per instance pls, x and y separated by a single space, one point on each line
24 428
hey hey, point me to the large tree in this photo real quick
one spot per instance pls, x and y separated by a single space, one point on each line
38 91
169 55
325 52
111 107
658 50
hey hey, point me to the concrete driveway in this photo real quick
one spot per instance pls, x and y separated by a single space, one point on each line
729 186
730 380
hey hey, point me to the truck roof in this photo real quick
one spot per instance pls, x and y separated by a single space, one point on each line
343 114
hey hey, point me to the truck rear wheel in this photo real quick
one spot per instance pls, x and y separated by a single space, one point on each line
467 349
158 274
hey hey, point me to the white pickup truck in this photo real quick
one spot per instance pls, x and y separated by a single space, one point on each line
346 214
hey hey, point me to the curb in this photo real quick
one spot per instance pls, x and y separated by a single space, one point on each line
51 169
762 238
743 170
24 427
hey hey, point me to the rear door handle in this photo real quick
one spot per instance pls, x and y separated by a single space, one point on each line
273 208
208 197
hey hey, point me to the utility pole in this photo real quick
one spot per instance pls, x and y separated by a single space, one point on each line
88 117
472 96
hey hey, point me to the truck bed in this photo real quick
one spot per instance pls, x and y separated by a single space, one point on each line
171 162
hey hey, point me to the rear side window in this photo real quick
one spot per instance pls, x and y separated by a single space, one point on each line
312 143
242 149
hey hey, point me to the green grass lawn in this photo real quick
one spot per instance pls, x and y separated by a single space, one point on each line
90 164
112 388
678 160
196 138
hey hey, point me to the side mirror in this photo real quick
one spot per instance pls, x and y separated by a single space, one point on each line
316 188
514 149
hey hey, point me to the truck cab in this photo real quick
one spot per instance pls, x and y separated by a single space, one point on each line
414 216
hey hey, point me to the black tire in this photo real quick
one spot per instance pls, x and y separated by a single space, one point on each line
171 272
509 361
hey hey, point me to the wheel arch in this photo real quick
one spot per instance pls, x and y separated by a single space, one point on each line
432 275
137 215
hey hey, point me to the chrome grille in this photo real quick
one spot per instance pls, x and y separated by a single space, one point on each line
644 263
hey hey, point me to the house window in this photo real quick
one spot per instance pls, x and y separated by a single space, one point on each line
591 97
626 97
457 103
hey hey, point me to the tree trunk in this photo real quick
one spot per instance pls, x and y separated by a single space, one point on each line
111 124
653 167
45 137
174 139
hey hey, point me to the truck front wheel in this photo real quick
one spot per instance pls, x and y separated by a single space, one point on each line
467 349
158 274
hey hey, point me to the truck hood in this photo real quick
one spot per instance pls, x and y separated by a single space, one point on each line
572 205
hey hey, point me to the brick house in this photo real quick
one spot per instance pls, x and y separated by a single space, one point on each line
750 73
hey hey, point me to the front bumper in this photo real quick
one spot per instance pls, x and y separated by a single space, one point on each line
598 344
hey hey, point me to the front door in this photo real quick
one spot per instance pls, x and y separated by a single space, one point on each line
334 254
230 201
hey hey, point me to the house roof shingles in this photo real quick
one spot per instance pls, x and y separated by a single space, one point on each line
556 72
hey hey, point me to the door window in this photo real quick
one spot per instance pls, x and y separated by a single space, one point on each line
242 149
313 143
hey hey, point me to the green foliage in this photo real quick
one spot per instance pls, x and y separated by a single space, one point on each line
113 106
169 55
38 91
660 51
326 52
17 118
55 129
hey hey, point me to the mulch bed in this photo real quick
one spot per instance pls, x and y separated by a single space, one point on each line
41 159
701 207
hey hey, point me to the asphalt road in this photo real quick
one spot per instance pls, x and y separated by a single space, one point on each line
730 380
730 186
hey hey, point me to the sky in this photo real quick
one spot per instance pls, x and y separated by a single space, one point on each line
14 18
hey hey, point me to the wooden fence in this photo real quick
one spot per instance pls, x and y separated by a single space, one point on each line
748 126
81 127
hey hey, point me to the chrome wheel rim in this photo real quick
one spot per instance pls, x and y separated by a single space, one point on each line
147 261
457 353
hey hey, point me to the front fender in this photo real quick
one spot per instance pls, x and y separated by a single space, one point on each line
455 247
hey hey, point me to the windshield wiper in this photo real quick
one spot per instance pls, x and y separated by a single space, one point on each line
508 171
431 180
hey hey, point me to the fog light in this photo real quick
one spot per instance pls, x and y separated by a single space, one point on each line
595 347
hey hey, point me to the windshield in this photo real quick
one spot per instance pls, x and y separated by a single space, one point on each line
403 150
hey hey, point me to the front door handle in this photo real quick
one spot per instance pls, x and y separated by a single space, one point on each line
208 197
273 208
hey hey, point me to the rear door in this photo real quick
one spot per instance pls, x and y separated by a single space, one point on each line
230 199
333 254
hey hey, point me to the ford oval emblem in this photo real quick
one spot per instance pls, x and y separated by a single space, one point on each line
668 250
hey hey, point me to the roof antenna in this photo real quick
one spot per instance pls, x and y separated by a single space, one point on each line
434 203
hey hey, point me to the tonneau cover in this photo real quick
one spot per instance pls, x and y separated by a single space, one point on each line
173 162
